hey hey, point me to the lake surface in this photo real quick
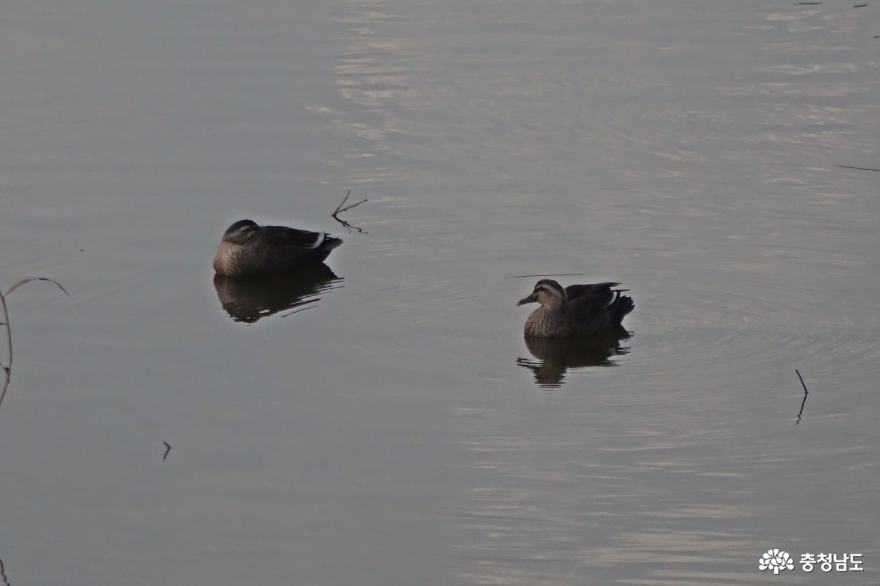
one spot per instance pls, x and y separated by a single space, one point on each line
385 423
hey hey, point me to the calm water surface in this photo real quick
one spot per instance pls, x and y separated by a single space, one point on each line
384 422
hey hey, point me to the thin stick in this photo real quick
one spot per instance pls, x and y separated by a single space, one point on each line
8 367
340 209
8 335
806 392
859 168
166 451
554 275
804 402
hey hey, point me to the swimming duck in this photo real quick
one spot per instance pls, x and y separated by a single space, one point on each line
576 310
248 249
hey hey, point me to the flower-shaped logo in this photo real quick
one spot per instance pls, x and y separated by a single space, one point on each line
775 560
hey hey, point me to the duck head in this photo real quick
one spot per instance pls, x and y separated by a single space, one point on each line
548 293
240 232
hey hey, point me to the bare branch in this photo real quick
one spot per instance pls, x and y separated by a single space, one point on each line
25 281
340 209
859 168
8 367
804 402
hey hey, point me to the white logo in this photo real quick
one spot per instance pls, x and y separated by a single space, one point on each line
776 560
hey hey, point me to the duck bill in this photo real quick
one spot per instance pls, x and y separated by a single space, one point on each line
529 299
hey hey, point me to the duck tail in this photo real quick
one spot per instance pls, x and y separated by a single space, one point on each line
623 305
330 243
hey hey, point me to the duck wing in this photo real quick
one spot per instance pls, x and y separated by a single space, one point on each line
289 249
597 306
600 291
282 236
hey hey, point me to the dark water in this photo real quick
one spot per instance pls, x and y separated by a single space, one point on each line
385 422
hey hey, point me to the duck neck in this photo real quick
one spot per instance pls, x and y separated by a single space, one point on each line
556 304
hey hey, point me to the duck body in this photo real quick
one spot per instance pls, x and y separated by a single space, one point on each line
250 250
577 310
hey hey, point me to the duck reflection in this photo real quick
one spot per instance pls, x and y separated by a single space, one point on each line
557 355
250 300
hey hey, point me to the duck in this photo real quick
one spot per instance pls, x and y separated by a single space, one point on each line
577 310
250 250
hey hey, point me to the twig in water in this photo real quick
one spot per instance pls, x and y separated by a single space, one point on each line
8 366
804 402
553 275
802 381
168 449
859 168
341 209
